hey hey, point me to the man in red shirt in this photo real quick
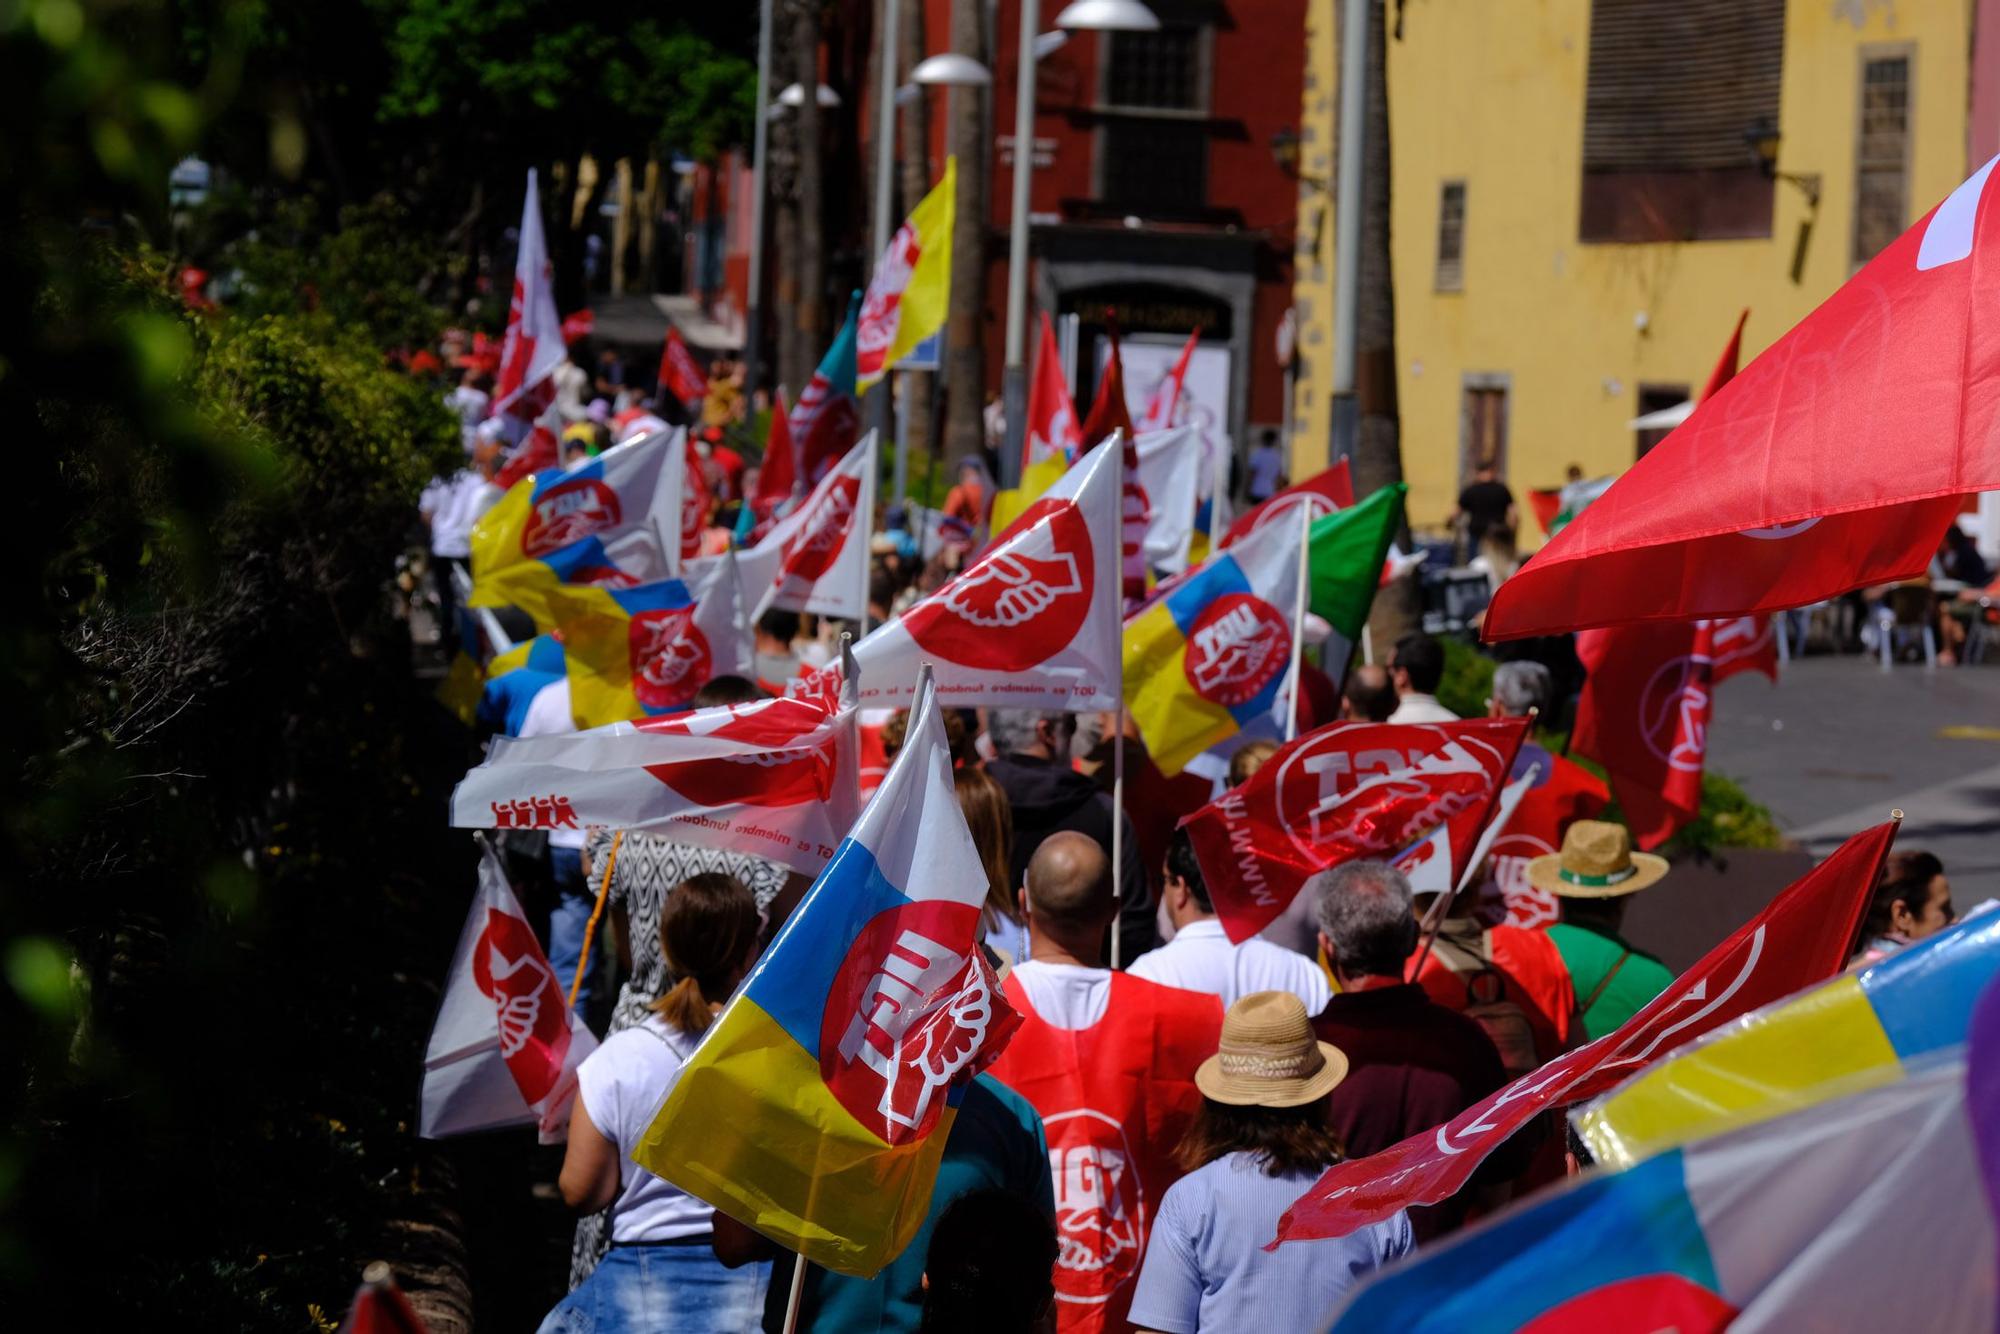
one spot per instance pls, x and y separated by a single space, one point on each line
1108 1060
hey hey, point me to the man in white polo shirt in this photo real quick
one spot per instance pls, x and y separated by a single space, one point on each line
1200 957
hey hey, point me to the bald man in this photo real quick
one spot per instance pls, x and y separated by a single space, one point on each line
1108 1059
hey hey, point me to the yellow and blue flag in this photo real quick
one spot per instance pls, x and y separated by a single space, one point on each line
642 652
816 1109
598 523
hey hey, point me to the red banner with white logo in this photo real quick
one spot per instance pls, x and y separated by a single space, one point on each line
1325 492
679 375
505 1047
815 559
1562 793
774 778
1803 937
1053 431
1345 791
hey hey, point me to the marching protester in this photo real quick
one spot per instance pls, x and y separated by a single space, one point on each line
1593 877
660 1272
1261 1139
1370 696
1912 902
1416 667
1108 1060
1201 957
1510 980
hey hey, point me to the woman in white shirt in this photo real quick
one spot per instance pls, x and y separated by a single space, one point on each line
661 1272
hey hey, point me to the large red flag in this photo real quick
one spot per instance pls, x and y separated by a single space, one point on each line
679 375
1052 426
1325 491
1832 462
1803 937
778 474
1108 412
1344 791
1645 710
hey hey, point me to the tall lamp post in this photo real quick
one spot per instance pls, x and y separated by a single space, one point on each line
753 322
1081 16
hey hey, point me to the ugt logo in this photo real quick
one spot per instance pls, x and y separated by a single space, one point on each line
669 658
568 512
1236 647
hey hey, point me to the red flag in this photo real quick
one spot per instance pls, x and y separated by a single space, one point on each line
540 450
578 324
1166 399
533 347
1324 491
1645 710
1803 937
777 475
380 1306
1832 462
1564 792
1108 414
1052 428
1546 505
1344 791
679 375
1725 365
1107 411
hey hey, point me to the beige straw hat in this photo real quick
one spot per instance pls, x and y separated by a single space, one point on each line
1269 1057
1596 862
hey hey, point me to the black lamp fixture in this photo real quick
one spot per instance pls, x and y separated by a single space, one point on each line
1761 137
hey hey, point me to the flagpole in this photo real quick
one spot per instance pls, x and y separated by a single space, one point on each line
867 561
1299 616
1118 828
798 1291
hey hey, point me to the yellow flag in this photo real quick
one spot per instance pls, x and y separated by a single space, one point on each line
906 299
1035 479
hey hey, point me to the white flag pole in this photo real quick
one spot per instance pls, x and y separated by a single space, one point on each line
798 1290
1299 615
1118 750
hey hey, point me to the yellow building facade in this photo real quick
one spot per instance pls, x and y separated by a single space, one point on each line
1551 344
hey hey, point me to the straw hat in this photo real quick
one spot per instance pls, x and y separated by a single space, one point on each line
1596 862
1269 1057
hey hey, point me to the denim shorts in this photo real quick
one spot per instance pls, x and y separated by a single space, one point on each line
650 1288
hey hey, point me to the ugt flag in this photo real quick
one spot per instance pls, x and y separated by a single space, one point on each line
534 346
506 1045
818 1106
826 420
1344 791
1801 938
1032 624
598 523
906 298
639 652
774 778
1645 710
1832 462
815 559
1779 1226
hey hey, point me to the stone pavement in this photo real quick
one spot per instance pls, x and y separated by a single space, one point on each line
1839 742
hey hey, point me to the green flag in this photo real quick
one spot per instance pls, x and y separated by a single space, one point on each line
1348 548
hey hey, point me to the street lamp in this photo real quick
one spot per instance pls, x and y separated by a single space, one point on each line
951 70
795 96
1080 16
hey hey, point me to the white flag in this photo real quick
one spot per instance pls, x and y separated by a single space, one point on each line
816 558
533 346
1170 476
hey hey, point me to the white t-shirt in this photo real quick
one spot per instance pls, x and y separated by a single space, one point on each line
622 1084
1200 958
469 405
1417 707
454 506
1065 995
548 714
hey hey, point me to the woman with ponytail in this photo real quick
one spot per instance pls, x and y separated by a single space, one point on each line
661 1272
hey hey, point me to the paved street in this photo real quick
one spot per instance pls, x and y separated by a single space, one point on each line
1838 743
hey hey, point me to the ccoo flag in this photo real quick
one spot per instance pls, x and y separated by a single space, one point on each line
817 1108
599 523
506 1045
906 299
639 652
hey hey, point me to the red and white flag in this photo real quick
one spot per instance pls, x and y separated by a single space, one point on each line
506 1045
1325 492
1166 399
1645 710
1436 865
1344 791
1032 624
684 502
815 559
533 347
1803 937
1832 462
778 474
775 778
679 374
540 451
1052 431
1561 793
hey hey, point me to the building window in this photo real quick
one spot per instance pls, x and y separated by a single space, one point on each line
1152 149
1671 90
1483 426
1882 154
1657 398
1451 237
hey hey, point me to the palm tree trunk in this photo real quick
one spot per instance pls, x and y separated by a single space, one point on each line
811 317
965 330
915 142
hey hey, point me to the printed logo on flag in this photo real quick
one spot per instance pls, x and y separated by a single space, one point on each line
694 508
1673 712
670 657
1287 508
824 531
550 812
1019 606
764 778
1100 1206
1235 648
568 512
876 332
1508 860
604 576
534 1018
1380 800
906 1013
1779 531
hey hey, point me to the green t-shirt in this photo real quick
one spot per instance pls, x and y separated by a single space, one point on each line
1589 955
996 1140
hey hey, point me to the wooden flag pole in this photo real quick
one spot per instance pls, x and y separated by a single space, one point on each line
596 916
798 1291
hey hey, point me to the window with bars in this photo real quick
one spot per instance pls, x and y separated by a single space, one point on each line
1882 154
1155 71
1153 146
1451 237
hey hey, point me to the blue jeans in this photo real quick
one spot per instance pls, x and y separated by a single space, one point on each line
569 923
649 1288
